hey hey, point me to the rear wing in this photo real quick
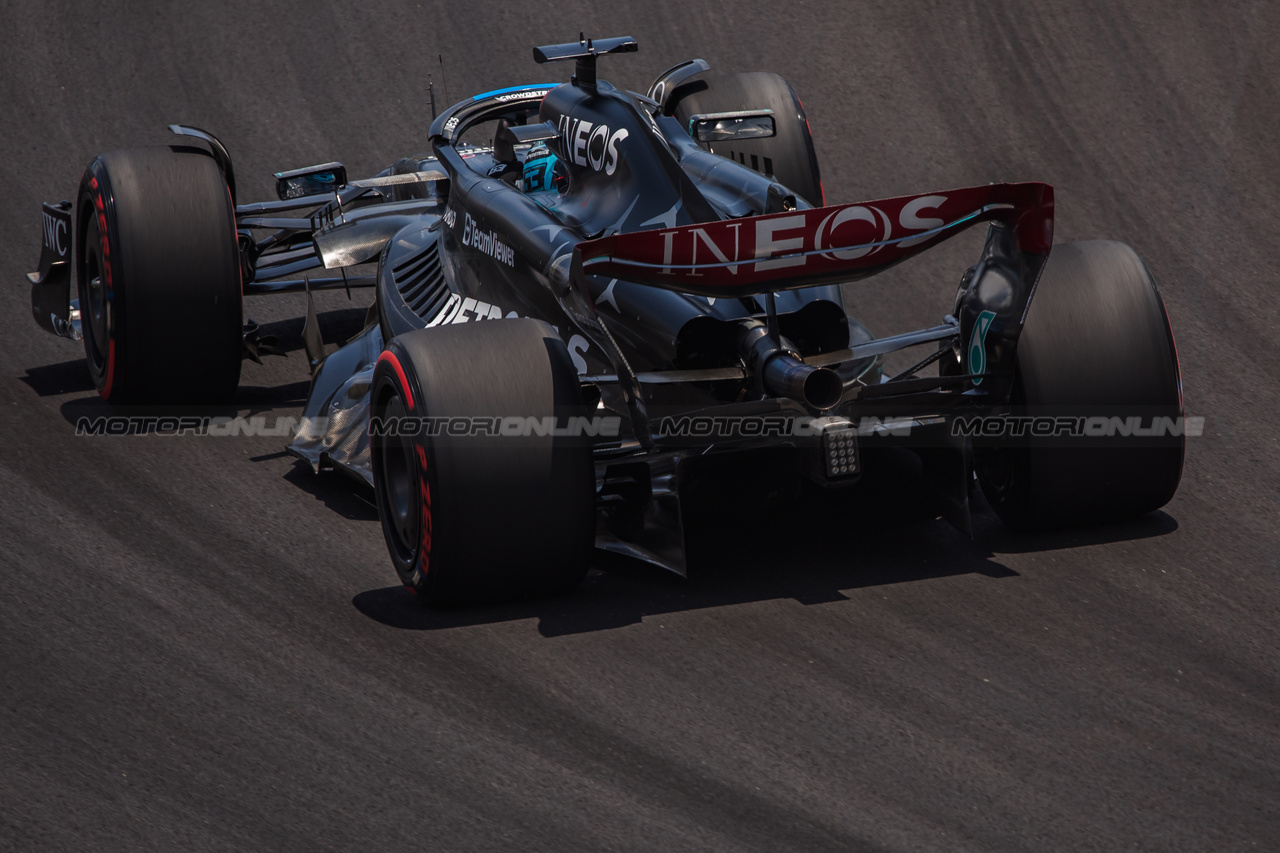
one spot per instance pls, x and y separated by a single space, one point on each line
803 248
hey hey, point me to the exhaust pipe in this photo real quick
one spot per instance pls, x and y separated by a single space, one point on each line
818 387
780 372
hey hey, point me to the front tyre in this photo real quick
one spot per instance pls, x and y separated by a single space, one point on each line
1097 346
159 277
478 500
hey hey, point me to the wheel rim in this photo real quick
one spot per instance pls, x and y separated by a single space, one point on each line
95 306
98 315
398 490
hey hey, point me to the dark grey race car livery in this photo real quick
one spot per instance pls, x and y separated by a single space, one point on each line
617 293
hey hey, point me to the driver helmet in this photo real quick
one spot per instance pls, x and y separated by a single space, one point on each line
543 171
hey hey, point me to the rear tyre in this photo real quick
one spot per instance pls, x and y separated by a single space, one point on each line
159 277
788 156
482 517
1097 344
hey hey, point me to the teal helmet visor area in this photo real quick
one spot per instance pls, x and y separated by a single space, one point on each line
540 172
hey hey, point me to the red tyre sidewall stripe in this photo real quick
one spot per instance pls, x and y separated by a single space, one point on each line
108 280
424 546
388 357
424 497
105 392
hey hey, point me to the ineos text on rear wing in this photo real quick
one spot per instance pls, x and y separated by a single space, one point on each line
803 248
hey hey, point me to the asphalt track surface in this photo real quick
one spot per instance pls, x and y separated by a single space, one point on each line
202 646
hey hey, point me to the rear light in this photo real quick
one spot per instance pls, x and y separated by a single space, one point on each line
840 450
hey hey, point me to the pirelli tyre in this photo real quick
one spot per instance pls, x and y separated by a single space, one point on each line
158 275
475 504
788 156
1096 359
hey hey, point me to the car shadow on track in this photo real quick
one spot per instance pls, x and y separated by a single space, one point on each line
812 551
65 377
344 495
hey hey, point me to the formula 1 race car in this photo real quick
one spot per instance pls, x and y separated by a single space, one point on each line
604 295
